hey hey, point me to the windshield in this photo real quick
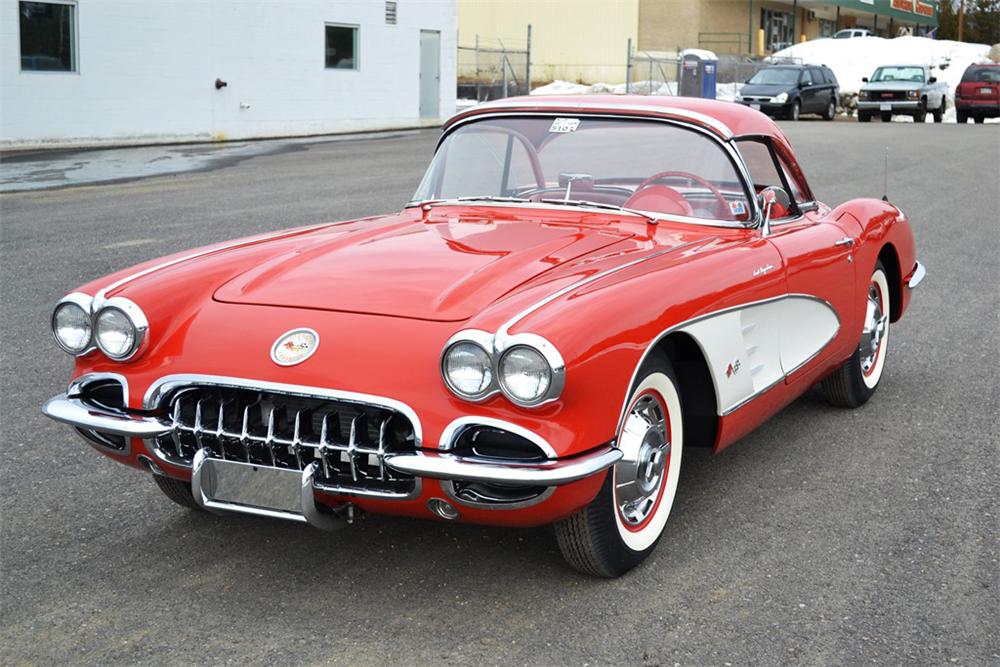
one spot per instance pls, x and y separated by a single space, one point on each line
642 165
914 74
776 76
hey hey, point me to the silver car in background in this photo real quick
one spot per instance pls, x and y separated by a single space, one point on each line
908 90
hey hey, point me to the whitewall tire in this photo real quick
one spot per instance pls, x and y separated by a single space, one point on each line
854 382
622 525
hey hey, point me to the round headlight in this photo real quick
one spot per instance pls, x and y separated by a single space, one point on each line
71 326
468 369
116 333
525 375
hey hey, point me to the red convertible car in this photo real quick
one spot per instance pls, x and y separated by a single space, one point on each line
580 289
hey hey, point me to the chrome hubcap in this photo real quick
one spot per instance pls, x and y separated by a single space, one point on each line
871 335
646 450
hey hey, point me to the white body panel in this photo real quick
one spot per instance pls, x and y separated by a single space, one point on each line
751 349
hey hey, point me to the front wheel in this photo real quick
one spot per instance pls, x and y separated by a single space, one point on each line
921 113
864 117
852 384
622 525
886 116
793 113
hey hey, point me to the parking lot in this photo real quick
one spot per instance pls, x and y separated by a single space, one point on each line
825 537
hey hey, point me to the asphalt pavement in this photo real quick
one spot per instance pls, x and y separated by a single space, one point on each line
825 537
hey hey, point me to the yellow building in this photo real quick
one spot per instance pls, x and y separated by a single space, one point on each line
588 40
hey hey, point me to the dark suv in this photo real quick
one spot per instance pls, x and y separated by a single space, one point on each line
790 90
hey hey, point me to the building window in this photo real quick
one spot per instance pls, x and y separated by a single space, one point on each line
48 37
827 28
341 47
390 12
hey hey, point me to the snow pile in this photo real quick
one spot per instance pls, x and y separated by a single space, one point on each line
853 59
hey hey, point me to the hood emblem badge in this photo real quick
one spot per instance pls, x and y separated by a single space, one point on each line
294 347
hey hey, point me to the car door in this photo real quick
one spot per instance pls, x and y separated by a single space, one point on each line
807 92
823 88
817 260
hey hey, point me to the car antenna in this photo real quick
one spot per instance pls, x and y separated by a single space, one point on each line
885 177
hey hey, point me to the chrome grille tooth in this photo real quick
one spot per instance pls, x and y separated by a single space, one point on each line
323 445
175 428
245 433
352 448
296 447
197 424
381 448
221 428
269 439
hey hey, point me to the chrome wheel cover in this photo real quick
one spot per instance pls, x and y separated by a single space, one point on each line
640 473
875 324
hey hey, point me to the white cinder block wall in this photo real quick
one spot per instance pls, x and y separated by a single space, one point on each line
146 71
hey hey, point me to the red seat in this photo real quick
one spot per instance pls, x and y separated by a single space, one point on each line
658 198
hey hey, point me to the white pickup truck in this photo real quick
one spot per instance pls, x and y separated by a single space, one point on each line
909 90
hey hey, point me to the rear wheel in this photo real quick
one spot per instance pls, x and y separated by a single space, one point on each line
980 120
886 116
177 490
852 384
622 525
961 117
831 110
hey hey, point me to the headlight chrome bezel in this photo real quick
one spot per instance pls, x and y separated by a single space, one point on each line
135 316
85 303
780 98
497 346
93 307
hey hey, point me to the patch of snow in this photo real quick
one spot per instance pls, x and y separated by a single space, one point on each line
462 104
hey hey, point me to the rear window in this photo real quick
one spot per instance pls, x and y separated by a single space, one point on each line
830 77
982 74
817 76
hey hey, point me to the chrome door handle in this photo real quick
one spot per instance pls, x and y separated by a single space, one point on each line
845 241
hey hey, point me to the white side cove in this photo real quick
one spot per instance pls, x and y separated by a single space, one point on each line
750 349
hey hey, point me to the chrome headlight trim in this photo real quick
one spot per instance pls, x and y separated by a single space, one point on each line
496 346
83 301
548 351
483 340
135 316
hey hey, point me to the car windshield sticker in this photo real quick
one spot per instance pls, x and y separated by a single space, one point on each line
563 125
737 208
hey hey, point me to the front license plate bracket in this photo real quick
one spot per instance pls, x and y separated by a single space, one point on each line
236 486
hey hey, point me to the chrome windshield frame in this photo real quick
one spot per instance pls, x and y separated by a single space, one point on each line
728 146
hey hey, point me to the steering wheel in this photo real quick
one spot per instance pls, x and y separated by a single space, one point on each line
722 205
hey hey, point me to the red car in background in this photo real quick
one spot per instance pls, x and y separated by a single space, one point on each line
580 289
978 94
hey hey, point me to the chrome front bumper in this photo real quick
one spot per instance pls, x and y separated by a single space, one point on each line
424 463
897 106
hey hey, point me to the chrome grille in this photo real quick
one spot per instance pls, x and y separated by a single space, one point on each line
348 440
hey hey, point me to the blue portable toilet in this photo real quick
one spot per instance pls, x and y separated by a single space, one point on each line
698 73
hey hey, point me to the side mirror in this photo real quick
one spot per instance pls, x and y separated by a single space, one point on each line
864 79
933 79
775 203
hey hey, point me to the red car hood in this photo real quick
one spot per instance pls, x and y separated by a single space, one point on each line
446 269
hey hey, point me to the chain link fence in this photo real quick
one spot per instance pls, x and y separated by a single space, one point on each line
493 69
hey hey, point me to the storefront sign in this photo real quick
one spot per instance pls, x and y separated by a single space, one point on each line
925 8
903 5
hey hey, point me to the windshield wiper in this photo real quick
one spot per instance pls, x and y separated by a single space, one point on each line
593 204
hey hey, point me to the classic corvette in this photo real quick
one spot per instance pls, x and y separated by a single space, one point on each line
580 289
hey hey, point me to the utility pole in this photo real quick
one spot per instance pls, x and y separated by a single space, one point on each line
961 19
